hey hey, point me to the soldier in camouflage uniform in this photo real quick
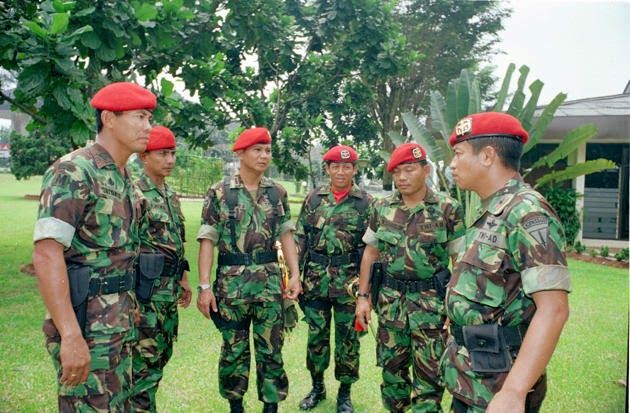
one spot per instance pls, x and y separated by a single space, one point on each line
86 242
162 236
412 234
329 231
507 302
243 216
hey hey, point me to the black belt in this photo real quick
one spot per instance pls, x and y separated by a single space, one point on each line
334 260
260 257
513 335
409 286
111 285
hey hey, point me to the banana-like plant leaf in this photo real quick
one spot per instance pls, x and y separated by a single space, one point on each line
396 138
528 112
505 86
571 141
573 171
421 135
518 100
543 122
439 122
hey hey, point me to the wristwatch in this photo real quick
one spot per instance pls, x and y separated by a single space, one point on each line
202 287
364 295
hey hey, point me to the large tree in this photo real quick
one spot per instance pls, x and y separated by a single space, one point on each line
445 37
304 69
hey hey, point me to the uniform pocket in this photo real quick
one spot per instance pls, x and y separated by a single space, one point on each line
481 277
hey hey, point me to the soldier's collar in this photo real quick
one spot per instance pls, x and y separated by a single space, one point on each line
101 157
500 199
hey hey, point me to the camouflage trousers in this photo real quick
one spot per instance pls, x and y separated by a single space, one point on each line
318 314
109 381
156 334
265 319
399 349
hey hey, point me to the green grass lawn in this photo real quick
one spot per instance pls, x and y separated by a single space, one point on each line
583 375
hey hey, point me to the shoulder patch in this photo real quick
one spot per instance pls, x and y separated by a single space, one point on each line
538 227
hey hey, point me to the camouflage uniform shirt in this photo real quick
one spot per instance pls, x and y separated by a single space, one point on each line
162 231
513 249
246 283
414 243
92 210
331 229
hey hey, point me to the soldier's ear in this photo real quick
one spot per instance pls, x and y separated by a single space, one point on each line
488 155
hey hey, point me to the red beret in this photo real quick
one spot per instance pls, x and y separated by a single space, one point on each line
160 137
487 124
122 96
341 153
251 137
406 153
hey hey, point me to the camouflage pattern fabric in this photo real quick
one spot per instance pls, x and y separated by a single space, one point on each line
513 249
413 244
249 293
234 364
161 231
156 334
318 315
420 349
331 229
246 283
89 207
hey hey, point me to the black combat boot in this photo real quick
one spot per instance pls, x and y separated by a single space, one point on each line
316 395
236 406
270 408
344 404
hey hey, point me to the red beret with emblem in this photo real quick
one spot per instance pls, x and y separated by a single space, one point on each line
341 153
406 153
122 96
488 124
251 137
160 137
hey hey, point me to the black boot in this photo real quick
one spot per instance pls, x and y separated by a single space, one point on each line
344 404
236 406
270 408
316 395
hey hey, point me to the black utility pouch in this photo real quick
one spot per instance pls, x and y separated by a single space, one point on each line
79 279
150 268
376 278
488 352
442 277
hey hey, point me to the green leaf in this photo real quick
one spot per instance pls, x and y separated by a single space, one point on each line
60 23
90 39
396 138
505 86
36 28
422 136
527 114
545 119
518 100
146 12
571 141
439 122
573 171
166 86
